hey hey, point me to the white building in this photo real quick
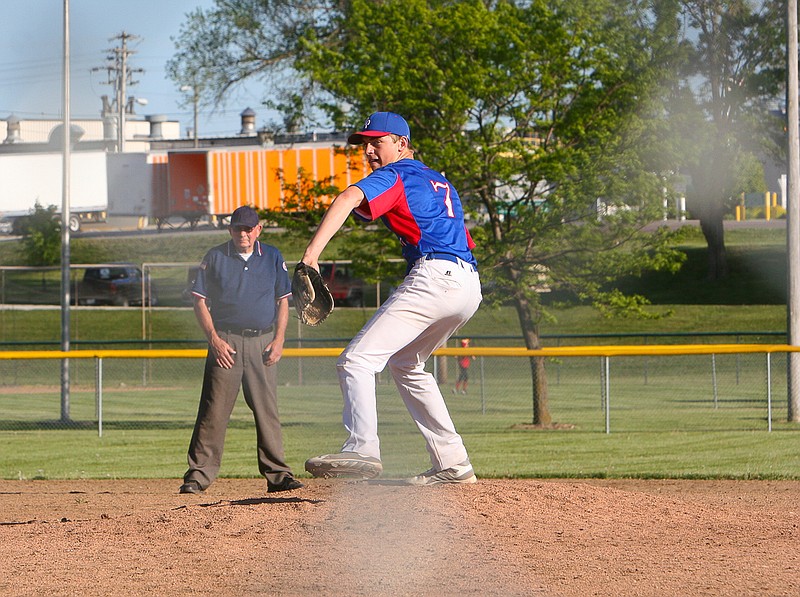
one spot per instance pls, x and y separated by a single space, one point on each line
139 132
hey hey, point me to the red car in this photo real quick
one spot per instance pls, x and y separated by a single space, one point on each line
347 291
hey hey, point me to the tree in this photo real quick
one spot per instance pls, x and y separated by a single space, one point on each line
303 202
540 112
537 112
41 236
732 70
254 40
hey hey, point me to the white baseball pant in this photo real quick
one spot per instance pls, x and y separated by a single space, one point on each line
436 298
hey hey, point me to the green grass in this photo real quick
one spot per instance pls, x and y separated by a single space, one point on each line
497 450
665 420
93 327
157 248
156 453
751 299
757 272
757 276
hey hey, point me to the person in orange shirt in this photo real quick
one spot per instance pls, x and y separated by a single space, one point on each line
463 369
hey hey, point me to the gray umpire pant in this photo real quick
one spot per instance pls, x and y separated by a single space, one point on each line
218 396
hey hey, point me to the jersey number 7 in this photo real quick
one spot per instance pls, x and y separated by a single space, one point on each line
448 202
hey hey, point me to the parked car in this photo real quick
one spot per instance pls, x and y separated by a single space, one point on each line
347 290
117 284
6 225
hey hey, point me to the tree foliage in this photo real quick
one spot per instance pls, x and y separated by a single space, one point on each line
730 72
542 112
253 40
539 113
41 236
303 203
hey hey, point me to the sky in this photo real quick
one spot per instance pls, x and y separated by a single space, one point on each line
31 61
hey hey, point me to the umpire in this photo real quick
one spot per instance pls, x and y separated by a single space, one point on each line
241 301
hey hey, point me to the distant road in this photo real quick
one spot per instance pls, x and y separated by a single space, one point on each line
727 224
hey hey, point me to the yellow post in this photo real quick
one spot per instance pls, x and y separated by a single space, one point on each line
766 206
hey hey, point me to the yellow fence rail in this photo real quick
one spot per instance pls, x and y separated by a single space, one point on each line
501 351
606 353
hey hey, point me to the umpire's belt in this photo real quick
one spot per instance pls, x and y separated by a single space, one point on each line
452 258
248 331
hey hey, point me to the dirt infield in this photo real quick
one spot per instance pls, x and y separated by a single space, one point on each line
499 537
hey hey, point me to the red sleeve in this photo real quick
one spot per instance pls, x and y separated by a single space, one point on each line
470 242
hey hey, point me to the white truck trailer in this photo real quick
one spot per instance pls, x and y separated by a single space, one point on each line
30 178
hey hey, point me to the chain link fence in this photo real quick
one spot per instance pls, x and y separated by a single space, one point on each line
153 284
603 394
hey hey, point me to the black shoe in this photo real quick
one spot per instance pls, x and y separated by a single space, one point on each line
287 484
191 487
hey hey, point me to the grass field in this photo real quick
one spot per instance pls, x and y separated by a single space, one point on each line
666 418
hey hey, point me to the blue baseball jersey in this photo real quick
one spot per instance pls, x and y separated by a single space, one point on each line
420 206
242 294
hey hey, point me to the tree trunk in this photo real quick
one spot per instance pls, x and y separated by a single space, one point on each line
714 233
712 186
530 331
541 407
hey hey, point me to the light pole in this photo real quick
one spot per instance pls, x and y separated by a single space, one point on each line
793 211
193 89
65 208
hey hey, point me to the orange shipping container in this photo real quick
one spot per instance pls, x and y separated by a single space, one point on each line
187 185
253 176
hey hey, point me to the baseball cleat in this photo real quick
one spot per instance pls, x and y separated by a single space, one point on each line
460 473
350 465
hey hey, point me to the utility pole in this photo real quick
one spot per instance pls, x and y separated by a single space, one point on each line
65 207
195 100
793 210
194 125
120 76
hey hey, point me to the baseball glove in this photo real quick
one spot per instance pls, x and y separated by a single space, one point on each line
312 299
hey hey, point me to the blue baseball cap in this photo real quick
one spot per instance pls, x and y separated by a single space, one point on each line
380 124
244 216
